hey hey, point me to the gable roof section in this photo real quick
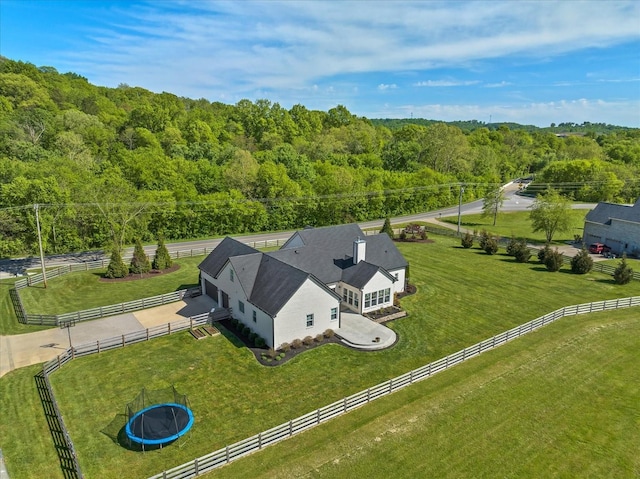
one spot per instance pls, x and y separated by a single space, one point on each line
328 252
604 212
360 274
227 248
276 282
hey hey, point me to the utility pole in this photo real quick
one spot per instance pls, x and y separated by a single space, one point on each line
460 207
44 271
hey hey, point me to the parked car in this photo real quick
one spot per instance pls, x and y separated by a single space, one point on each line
599 248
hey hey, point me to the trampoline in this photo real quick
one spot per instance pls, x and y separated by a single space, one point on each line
157 417
159 424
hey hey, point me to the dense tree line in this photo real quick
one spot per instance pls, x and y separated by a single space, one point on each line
107 165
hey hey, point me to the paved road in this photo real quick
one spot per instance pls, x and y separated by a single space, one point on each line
12 267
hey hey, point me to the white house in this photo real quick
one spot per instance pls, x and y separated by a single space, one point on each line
617 226
298 290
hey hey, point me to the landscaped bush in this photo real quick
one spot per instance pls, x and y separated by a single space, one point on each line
319 338
296 343
523 254
386 228
252 337
234 323
491 245
403 235
553 260
467 240
519 250
329 333
272 353
423 234
162 259
259 342
623 273
246 331
140 261
307 341
116 268
285 347
582 262
542 254
482 239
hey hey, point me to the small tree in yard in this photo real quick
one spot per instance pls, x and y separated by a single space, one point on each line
492 203
162 259
623 273
581 263
553 260
491 245
116 268
550 213
140 262
467 240
386 228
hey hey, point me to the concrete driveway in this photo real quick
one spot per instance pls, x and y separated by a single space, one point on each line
32 348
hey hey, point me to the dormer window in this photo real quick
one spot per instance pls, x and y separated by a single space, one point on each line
231 275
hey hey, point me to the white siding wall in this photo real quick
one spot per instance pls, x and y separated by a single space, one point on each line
398 286
290 323
377 283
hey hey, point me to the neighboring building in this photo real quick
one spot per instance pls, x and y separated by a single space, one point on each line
617 226
298 290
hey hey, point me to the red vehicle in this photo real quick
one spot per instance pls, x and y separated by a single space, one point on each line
598 248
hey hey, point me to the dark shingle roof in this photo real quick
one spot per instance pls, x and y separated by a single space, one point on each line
359 274
603 212
227 248
275 283
328 252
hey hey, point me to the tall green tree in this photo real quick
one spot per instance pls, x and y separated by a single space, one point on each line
116 267
550 213
162 259
386 228
492 203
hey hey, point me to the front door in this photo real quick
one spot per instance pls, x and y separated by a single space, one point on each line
225 300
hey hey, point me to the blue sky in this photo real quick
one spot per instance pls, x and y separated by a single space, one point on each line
527 62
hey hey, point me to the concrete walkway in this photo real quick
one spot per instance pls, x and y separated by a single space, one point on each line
362 333
33 348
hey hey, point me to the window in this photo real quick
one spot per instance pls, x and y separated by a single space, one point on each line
380 297
367 300
241 306
355 300
344 294
396 276
350 297
231 275
255 316
334 314
374 299
309 320
387 295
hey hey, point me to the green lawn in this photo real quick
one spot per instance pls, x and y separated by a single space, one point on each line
517 224
463 296
562 402
89 292
8 321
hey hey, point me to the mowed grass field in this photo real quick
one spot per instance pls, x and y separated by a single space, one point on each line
518 224
561 402
89 292
463 296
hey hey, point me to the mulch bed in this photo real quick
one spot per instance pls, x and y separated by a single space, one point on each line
134 277
258 352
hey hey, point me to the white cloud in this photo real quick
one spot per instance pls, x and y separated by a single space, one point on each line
498 85
540 114
445 83
384 86
252 44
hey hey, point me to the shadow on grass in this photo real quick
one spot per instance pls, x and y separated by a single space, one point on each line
116 431
65 455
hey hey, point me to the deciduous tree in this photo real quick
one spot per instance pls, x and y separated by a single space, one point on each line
550 213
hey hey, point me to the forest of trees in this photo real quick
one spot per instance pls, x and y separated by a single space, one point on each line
110 165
